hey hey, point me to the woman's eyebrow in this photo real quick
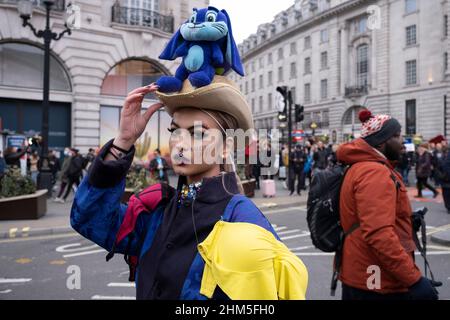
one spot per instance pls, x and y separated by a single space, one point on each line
193 127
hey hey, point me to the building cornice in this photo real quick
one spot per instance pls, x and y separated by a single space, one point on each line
306 24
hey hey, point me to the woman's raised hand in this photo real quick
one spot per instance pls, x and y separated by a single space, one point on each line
132 120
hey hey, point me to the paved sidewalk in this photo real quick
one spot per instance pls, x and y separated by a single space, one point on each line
57 219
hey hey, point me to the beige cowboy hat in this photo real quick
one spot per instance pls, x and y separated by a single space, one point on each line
221 95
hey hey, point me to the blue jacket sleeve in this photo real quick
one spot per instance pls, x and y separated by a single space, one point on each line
246 211
97 212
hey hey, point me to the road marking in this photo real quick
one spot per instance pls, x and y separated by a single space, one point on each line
122 284
65 248
301 248
83 253
283 210
295 236
280 228
12 232
442 248
98 297
25 231
288 231
4 280
23 260
6 291
57 262
431 253
37 238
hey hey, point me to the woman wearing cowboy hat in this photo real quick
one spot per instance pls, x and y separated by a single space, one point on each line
204 239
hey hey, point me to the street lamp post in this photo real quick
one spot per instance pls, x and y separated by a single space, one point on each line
25 9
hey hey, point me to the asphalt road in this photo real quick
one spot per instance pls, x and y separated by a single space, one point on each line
47 267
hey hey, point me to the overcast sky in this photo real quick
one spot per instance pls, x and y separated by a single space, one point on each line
247 15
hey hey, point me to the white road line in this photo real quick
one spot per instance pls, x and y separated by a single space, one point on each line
295 236
283 210
69 247
301 248
6 291
122 284
98 297
25 231
431 253
83 253
280 228
12 232
4 280
288 231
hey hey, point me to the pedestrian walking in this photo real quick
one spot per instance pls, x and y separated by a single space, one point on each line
63 174
298 160
376 214
34 160
158 167
423 171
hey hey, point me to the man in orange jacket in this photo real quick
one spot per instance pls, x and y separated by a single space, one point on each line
378 256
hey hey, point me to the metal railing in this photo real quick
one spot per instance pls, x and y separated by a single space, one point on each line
142 17
356 91
60 5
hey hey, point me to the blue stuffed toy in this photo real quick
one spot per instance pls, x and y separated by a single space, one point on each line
206 44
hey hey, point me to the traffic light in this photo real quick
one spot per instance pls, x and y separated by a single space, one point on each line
281 103
299 113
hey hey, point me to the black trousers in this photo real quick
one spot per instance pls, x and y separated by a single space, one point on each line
70 182
422 183
300 177
446 196
350 293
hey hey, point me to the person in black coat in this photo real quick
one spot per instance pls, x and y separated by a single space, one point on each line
74 172
296 165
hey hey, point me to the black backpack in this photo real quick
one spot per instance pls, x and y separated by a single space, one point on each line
323 208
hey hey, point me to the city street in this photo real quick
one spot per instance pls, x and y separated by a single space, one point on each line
37 268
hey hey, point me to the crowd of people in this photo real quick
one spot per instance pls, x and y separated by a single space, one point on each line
66 170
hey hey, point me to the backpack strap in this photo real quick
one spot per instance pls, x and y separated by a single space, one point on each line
144 202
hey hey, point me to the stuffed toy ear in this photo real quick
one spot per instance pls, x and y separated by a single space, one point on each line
232 52
172 46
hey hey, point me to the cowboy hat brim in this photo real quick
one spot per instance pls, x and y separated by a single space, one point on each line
221 95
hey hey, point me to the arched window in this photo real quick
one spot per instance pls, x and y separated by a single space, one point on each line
351 116
22 65
129 75
362 65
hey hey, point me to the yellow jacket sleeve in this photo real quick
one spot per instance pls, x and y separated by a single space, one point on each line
248 263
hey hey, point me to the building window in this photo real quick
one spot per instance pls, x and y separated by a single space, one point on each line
324 60
410 6
294 95
362 25
324 89
307 43
411 38
246 87
253 66
293 48
260 103
446 61
269 101
261 82
411 72
280 53
410 117
253 105
293 70
269 78
307 65
362 65
240 88
307 93
280 74
325 119
261 63
445 25
269 58
253 85
324 35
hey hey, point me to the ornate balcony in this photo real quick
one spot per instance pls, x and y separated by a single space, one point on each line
142 17
356 91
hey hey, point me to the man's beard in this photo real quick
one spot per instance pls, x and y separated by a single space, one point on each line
391 153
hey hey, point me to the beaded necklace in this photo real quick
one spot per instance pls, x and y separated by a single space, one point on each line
189 192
